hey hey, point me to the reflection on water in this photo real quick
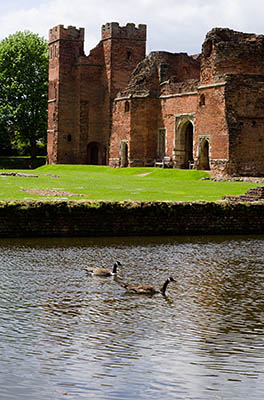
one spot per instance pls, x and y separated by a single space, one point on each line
65 334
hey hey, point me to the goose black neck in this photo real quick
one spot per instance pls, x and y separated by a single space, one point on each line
164 287
114 268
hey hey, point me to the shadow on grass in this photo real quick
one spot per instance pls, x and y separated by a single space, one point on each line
21 162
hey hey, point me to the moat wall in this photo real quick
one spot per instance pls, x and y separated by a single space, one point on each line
129 219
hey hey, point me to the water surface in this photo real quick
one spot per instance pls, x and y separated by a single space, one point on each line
67 335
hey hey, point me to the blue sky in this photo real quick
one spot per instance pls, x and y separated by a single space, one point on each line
173 25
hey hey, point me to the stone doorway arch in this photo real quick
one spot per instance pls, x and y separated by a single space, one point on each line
203 153
184 132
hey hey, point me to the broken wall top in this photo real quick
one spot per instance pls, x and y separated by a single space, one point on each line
161 67
228 51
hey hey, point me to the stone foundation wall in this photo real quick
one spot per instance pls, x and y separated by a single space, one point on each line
129 219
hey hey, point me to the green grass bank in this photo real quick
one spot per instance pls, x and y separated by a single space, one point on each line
81 200
102 183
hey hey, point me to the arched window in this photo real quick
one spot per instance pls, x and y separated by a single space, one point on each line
202 100
127 106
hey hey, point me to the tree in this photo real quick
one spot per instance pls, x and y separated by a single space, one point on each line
24 89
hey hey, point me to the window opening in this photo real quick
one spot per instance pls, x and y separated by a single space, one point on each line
127 106
202 100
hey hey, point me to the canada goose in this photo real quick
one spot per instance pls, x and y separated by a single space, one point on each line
146 289
103 271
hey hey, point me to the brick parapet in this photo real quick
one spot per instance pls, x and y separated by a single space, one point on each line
130 31
71 33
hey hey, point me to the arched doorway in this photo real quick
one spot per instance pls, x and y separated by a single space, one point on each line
203 157
183 151
96 154
124 153
188 145
93 153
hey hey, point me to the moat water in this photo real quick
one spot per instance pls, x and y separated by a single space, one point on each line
67 335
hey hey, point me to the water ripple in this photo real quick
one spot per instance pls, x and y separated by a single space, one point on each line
64 333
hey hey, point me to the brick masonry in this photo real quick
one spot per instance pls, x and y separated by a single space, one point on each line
59 219
82 89
119 107
254 194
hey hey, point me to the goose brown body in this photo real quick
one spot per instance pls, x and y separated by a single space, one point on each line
103 271
147 289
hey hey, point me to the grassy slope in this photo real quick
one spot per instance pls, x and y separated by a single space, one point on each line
104 183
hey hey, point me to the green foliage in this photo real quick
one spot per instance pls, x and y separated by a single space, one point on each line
23 90
12 162
5 137
102 183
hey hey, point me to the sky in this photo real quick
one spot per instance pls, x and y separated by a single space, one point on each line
175 25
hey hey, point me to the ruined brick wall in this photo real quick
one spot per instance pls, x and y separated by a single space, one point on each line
135 121
228 51
176 111
244 96
222 114
211 125
153 103
161 67
120 130
143 141
115 106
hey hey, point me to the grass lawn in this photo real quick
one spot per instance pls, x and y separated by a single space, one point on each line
105 183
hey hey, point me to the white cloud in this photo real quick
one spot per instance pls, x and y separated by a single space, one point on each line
174 25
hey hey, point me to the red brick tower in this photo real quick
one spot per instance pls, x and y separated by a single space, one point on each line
124 47
82 89
65 47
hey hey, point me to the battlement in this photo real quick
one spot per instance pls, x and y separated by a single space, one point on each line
130 31
70 33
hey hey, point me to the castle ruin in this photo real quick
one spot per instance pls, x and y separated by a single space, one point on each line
121 108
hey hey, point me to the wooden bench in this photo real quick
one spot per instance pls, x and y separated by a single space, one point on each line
164 163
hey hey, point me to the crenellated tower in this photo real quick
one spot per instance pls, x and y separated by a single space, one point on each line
82 89
124 47
65 48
